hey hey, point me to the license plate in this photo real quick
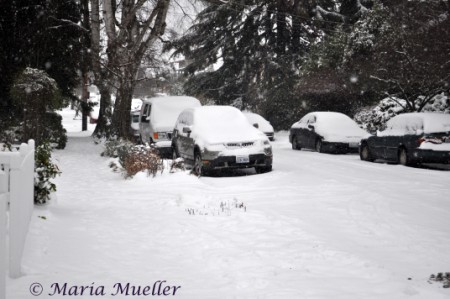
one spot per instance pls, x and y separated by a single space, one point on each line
353 144
242 159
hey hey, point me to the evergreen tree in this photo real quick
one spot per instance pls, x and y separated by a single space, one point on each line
248 52
39 34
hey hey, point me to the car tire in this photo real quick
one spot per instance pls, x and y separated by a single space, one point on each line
198 164
295 144
263 169
364 153
403 158
319 146
175 154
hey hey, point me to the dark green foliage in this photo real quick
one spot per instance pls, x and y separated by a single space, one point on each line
35 93
45 170
54 132
41 34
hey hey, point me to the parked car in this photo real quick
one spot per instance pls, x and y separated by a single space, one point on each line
411 138
157 119
220 137
326 132
260 123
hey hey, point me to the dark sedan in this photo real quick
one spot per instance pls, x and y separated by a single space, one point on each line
411 138
326 132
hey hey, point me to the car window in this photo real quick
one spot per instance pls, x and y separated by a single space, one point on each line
145 110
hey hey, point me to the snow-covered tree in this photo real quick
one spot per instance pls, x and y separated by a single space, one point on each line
36 94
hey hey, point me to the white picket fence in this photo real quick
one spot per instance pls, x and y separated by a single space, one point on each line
16 197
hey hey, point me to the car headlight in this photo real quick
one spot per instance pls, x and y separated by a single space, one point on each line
215 147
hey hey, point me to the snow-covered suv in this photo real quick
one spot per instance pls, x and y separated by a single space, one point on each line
220 137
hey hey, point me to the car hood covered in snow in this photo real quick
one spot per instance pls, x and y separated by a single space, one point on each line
223 124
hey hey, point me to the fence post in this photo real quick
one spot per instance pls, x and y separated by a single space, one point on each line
3 201
21 204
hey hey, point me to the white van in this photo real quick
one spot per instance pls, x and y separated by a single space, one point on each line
157 120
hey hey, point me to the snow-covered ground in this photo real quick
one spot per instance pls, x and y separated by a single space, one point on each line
317 226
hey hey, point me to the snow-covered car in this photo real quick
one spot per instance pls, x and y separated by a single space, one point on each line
260 123
220 137
411 138
157 119
326 132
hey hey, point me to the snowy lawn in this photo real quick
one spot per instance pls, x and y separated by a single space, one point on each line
317 226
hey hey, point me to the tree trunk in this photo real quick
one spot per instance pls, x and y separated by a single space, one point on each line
126 45
103 128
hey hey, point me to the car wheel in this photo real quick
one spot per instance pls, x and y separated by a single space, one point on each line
295 144
198 164
365 154
404 159
319 146
263 169
174 153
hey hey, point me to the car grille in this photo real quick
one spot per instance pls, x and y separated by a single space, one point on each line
232 145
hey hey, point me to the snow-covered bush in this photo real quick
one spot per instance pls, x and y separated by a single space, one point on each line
37 95
374 118
143 158
45 170
134 158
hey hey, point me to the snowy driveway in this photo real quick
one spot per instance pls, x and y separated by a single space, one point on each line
318 226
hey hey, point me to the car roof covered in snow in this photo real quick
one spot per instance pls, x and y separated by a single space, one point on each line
429 122
165 110
263 124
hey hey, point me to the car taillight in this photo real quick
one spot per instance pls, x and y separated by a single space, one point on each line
434 140
155 135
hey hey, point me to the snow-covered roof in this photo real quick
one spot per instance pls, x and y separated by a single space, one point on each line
428 122
165 110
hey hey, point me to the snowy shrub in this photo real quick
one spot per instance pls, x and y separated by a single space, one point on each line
375 118
37 95
52 131
177 164
45 170
133 158
143 158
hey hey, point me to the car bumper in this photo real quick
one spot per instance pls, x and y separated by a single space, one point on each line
430 156
164 148
340 147
229 162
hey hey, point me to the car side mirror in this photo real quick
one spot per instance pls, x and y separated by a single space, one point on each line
311 127
187 130
256 125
